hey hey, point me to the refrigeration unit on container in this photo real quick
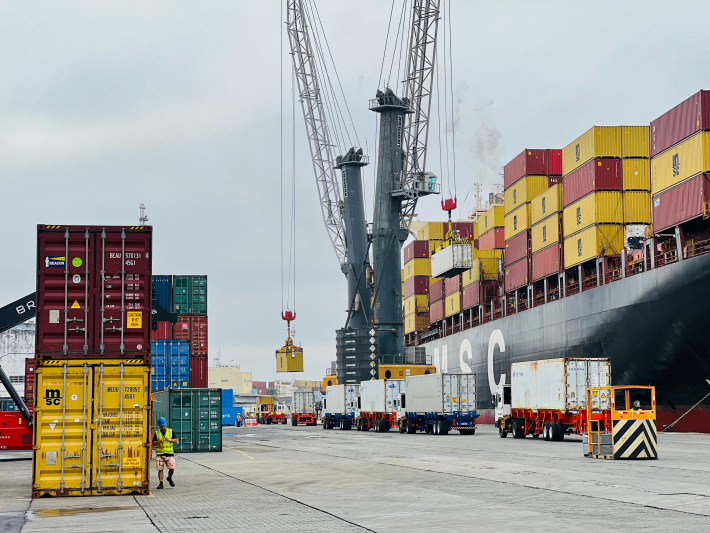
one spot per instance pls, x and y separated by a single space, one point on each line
634 141
93 292
679 204
193 329
451 261
685 119
523 191
190 295
303 408
380 402
636 174
170 366
527 162
416 249
597 175
596 241
163 286
517 221
546 204
546 232
604 207
599 141
341 405
438 403
684 160
92 428
194 415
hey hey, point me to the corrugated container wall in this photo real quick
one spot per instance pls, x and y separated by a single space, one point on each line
516 248
193 329
525 163
453 304
547 232
517 221
492 239
603 207
555 162
636 174
681 203
437 291
199 373
190 295
431 231
30 380
685 160
685 119
163 286
597 175
418 303
194 415
416 322
546 203
493 218
92 428
113 310
164 332
547 262
517 274
637 207
471 295
416 249
523 191
595 241
436 311
417 267
170 366
416 285
600 141
452 285
634 141
441 393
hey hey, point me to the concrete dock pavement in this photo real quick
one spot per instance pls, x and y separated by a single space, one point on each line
284 478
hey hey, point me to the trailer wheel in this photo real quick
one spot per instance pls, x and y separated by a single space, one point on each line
268 421
502 431
444 430
554 431
561 431
411 428
517 430
385 426
293 422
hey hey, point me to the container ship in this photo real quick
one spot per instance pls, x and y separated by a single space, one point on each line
599 249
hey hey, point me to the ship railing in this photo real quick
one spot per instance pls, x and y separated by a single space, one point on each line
498 313
510 308
666 257
522 305
572 288
539 300
693 249
476 321
589 283
612 275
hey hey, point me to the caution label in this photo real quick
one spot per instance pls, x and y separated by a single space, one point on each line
132 462
135 319
75 305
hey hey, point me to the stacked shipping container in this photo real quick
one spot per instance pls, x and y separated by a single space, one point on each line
417 264
546 234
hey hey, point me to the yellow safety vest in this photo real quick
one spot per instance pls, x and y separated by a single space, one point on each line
164 447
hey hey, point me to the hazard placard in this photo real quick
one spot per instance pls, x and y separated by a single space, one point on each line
75 305
135 319
132 462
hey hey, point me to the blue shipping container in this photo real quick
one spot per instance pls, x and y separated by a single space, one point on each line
229 415
164 291
170 365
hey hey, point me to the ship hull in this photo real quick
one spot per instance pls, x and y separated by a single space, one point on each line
654 326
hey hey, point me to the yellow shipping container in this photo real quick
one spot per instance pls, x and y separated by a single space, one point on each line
635 141
681 162
487 254
92 428
600 141
517 221
289 359
523 191
637 207
636 174
415 322
417 267
431 231
493 218
433 245
453 304
475 230
402 371
546 232
603 207
419 303
483 269
545 204
595 241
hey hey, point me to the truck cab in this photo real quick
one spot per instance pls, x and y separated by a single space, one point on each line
502 412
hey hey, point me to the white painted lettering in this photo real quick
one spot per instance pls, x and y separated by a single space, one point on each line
496 339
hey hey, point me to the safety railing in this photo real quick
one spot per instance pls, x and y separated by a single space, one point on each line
589 283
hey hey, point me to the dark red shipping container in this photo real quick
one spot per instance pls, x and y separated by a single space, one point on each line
602 174
527 162
416 249
517 275
416 285
163 333
436 311
452 285
471 295
554 180
199 377
30 380
465 229
192 328
682 203
436 291
555 162
685 119
492 239
517 247
547 262
93 292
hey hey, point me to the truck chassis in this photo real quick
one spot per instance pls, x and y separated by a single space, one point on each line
380 422
438 424
345 422
553 425
272 418
308 419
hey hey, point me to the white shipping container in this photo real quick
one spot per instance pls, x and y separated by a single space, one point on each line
303 402
557 384
342 399
452 260
441 393
380 395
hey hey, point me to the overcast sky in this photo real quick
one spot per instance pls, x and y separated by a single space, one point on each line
106 105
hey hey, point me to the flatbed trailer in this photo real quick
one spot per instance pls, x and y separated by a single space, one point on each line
551 424
438 423
304 408
272 418
380 422
308 419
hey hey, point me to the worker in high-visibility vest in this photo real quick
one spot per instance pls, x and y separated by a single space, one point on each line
164 455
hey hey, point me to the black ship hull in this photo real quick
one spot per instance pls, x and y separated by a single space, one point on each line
653 325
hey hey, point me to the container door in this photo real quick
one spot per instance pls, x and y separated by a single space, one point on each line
121 409
209 411
62 420
576 377
468 393
181 419
450 392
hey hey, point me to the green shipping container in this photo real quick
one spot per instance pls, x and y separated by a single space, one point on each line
190 295
194 415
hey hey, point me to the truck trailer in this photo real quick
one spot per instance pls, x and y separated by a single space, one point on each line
439 403
549 397
341 405
266 411
380 404
303 408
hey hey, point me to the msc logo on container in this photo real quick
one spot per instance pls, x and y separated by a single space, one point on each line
52 397
577 153
676 165
55 261
544 234
515 195
515 222
579 215
579 247
543 205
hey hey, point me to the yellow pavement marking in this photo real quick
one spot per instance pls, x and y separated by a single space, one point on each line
244 454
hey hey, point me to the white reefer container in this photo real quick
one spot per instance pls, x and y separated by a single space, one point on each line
440 393
452 260
303 402
381 395
557 384
342 399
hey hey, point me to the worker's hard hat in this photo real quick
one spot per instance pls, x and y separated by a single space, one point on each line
162 421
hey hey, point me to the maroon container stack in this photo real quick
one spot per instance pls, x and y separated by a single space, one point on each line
436 302
418 318
687 200
471 295
416 250
548 261
30 381
193 328
601 174
493 239
416 285
163 333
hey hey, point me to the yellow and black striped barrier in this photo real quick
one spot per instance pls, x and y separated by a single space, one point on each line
634 439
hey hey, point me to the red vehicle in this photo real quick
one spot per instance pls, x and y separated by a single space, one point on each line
266 413
304 408
15 432
380 422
